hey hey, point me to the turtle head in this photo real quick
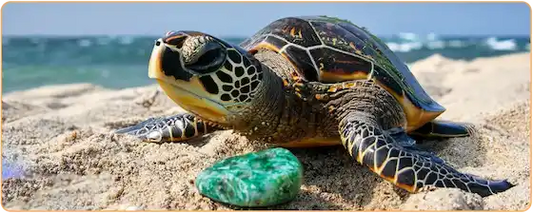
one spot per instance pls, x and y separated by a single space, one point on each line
205 75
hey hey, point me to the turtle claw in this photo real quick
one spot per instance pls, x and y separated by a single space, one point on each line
133 130
491 187
149 130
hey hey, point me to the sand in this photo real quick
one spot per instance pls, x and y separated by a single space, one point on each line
59 153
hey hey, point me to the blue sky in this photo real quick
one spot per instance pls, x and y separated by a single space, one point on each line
243 19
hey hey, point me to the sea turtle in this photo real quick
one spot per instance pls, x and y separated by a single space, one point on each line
304 82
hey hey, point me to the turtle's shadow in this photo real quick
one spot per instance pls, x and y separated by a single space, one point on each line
455 151
200 141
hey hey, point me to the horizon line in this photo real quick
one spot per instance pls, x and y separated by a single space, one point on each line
246 36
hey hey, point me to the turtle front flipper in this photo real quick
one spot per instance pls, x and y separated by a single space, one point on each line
177 128
406 168
442 129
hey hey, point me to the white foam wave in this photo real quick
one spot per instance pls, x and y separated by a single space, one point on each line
408 36
411 41
84 43
436 44
432 37
508 44
404 47
125 40
36 40
103 40
405 42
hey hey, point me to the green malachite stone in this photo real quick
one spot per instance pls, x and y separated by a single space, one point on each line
259 179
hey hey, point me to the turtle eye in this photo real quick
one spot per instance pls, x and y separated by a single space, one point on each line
206 57
175 38
177 41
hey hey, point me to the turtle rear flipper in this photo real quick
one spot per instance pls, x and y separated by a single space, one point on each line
405 167
177 128
442 129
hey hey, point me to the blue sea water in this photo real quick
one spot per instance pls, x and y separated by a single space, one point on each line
121 61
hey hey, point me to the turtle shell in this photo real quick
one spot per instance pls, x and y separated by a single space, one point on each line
331 50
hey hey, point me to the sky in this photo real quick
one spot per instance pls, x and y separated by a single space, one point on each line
244 19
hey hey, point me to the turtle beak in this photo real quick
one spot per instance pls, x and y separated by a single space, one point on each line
166 61
154 64
183 87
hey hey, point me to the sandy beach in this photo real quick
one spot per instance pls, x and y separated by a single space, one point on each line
59 152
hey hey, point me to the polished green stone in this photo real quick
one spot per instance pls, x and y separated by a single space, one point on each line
256 179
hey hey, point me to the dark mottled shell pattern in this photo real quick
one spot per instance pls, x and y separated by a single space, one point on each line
331 50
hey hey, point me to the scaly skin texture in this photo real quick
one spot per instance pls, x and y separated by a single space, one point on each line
359 113
277 114
369 121
366 111
176 128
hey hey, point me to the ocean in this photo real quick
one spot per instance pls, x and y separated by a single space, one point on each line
121 61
